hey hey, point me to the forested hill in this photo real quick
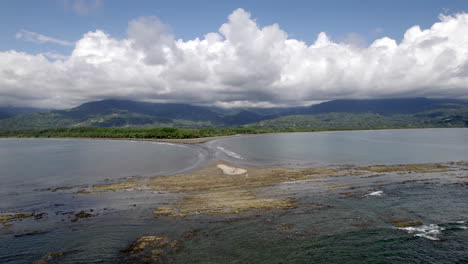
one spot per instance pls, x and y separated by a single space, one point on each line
369 113
11 111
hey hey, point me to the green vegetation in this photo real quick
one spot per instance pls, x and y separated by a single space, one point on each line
338 114
163 133
155 133
440 118
129 119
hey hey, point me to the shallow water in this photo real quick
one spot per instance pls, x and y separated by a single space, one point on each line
28 166
345 230
329 226
347 147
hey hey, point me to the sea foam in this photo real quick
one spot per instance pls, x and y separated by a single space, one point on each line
427 231
169 144
376 193
230 153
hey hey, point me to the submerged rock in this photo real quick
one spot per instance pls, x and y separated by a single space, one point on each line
81 214
33 233
49 258
191 233
151 248
409 224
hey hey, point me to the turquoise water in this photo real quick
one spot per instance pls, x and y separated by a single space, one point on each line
327 227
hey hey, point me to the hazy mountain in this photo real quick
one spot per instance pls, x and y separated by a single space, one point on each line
10 111
381 106
125 113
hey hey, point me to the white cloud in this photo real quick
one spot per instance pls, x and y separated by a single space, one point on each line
356 40
242 64
54 56
39 38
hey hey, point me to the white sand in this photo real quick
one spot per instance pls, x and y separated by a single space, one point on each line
231 170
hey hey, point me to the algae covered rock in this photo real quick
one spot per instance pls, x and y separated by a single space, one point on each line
409 224
150 249
81 214
15 217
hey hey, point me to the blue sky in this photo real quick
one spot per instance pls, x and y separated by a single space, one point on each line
303 20
61 53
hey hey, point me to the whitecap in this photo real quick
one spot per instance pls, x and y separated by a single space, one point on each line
230 153
427 231
376 193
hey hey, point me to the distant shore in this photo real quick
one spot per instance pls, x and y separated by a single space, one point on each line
168 140
198 140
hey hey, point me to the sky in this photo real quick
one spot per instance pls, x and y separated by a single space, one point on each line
61 53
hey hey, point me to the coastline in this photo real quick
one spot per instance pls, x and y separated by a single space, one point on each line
167 140
187 215
207 139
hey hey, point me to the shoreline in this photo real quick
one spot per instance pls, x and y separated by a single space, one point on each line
207 139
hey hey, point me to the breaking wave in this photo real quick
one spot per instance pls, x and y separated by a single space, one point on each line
230 153
376 193
169 144
427 231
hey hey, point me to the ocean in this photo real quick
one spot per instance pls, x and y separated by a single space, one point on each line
379 217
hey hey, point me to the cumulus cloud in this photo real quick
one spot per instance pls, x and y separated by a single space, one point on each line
39 38
242 64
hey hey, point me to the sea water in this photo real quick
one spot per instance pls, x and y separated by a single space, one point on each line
327 227
347 147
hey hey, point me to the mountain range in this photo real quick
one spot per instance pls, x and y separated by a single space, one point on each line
352 113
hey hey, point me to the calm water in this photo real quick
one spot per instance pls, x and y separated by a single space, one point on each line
348 147
328 227
39 161
29 165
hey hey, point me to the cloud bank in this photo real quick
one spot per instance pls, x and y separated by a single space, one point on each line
241 65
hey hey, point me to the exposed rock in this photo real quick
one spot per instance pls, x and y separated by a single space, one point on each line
79 215
408 224
63 188
151 248
419 168
15 217
222 202
224 188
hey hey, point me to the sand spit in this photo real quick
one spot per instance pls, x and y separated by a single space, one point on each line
225 188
